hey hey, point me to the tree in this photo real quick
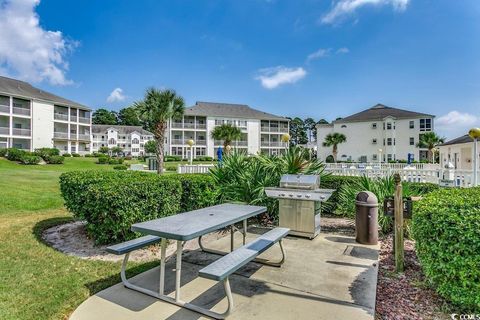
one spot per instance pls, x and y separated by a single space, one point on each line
310 126
150 146
116 150
103 150
430 140
155 110
333 140
129 117
322 121
227 133
298 134
104 116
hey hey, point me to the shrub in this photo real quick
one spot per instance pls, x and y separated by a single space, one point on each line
56 160
3 152
66 155
120 167
111 201
75 155
14 154
88 155
115 160
29 158
95 154
203 158
446 227
336 183
44 153
171 167
172 158
103 159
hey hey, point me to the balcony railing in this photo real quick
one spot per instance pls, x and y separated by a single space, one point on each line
4 130
272 144
60 135
60 116
73 118
84 120
274 129
189 125
22 111
84 137
5 109
21 132
234 143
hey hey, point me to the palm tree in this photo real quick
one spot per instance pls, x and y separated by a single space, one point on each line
333 140
430 140
156 109
227 133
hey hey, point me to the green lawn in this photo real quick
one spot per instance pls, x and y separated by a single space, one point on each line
36 281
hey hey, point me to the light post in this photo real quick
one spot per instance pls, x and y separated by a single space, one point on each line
190 143
475 134
285 139
380 158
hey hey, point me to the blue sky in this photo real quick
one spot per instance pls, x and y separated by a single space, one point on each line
320 59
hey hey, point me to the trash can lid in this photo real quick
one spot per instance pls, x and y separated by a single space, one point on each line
366 198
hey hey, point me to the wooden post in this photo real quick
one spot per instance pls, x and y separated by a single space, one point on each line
398 239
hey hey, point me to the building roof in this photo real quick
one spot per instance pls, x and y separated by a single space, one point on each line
229 110
26 90
379 112
463 139
103 128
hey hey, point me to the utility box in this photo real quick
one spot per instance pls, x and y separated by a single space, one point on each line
152 164
366 219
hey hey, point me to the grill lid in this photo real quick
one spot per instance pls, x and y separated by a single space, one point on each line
300 181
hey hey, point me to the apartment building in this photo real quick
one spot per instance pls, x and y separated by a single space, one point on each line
380 133
261 131
458 152
31 118
131 139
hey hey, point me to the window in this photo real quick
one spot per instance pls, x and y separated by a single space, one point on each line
374 157
389 157
389 141
135 141
383 141
374 125
389 126
374 141
412 141
412 124
112 141
425 124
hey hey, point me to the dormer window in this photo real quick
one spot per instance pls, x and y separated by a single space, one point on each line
389 126
374 125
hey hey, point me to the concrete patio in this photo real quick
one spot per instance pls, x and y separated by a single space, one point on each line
330 277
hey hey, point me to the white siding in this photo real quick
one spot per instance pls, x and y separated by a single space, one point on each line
42 125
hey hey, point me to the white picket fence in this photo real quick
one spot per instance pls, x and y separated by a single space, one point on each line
378 165
194 168
461 178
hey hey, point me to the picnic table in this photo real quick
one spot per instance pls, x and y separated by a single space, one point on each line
194 224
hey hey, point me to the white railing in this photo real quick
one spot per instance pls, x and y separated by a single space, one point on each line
461 178
194 168
60 135
21 132
5 109
22 111
383 165
273 129
73 118
4 130
60 116
84 137
84 120
272 144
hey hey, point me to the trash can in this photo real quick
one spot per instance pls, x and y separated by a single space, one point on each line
366 220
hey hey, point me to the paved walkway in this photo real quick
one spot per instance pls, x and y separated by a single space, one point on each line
330 277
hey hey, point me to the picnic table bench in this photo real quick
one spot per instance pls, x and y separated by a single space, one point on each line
195 224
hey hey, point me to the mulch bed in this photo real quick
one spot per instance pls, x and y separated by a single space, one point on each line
404 296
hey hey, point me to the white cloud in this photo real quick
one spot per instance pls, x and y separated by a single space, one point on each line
27 51
456 123
116 96
276 76
343 50
320 53
343 8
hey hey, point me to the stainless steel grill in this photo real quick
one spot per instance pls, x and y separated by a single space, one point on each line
300 199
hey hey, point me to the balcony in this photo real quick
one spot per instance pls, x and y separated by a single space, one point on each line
73 118
4 130
21 111
21 132
4 109
84 137
60 116
272 144
189 125
84 120
60 135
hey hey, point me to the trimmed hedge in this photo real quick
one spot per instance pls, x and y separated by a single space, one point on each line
111 201
3 152
30 159
14 154
446 227
172 158
56 160
67 155
120 167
